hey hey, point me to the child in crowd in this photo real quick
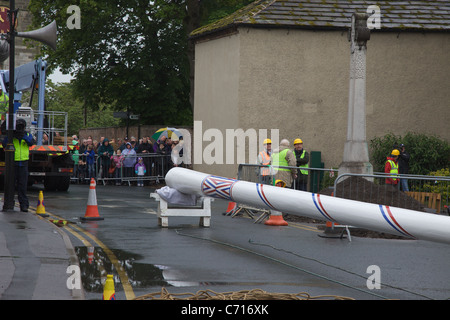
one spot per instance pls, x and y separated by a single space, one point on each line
140 171
117 160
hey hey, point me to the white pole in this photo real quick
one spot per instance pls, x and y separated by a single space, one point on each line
392 220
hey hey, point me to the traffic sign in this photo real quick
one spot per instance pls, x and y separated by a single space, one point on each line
120 114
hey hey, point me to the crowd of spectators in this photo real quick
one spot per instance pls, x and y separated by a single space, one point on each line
122 161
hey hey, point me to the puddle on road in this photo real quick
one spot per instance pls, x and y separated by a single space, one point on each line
95 265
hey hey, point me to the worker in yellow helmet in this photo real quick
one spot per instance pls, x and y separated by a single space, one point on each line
283 163
265 160
302 157
391 167
280 183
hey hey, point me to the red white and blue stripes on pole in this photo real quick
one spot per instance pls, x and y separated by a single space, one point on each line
319 206
263 197
376 217
389 217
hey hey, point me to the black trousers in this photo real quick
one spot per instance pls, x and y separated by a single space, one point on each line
21 177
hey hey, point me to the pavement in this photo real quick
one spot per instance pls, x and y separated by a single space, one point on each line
34 258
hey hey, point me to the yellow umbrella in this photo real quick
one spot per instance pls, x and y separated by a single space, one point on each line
172 133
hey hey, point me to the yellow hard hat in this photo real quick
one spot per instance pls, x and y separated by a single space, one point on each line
296 141
283 184
267 141
395 152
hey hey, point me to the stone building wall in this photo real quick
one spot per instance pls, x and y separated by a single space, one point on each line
23 54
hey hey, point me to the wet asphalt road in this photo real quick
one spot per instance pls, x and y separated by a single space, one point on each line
234 253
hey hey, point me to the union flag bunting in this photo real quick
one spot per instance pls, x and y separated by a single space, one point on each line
218 187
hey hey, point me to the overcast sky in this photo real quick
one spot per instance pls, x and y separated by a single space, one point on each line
57 77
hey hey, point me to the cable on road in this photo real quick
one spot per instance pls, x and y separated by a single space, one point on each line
335 267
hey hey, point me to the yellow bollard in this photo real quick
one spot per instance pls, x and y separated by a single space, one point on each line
40 210
108 290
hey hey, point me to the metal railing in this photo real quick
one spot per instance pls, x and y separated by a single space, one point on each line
258 174
156 167
52 124
424 193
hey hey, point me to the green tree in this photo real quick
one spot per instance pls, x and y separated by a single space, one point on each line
211 11
131 54
61 97
128 54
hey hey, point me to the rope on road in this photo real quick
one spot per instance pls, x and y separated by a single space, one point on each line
254 294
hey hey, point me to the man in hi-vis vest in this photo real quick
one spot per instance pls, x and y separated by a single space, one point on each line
284 157
302 157
22 141
391 167
264 173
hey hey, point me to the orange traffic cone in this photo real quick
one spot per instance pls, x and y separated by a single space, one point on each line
232 206
276 219
332 226
92 209
90 254
333 230
329 227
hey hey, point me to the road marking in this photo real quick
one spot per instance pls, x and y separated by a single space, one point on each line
128 290
77 235
304 227
129 293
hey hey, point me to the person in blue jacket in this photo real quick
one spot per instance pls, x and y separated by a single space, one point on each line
90 161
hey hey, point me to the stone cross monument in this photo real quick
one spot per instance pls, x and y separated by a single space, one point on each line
356 152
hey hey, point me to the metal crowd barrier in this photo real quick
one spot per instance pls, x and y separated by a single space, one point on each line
429 193
156 166
258 174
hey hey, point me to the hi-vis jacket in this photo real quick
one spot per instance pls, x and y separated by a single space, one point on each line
392 168
264 159
21 146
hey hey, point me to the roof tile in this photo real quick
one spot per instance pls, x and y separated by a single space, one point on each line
433 15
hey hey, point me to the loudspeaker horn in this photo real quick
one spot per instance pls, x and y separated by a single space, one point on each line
46 35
